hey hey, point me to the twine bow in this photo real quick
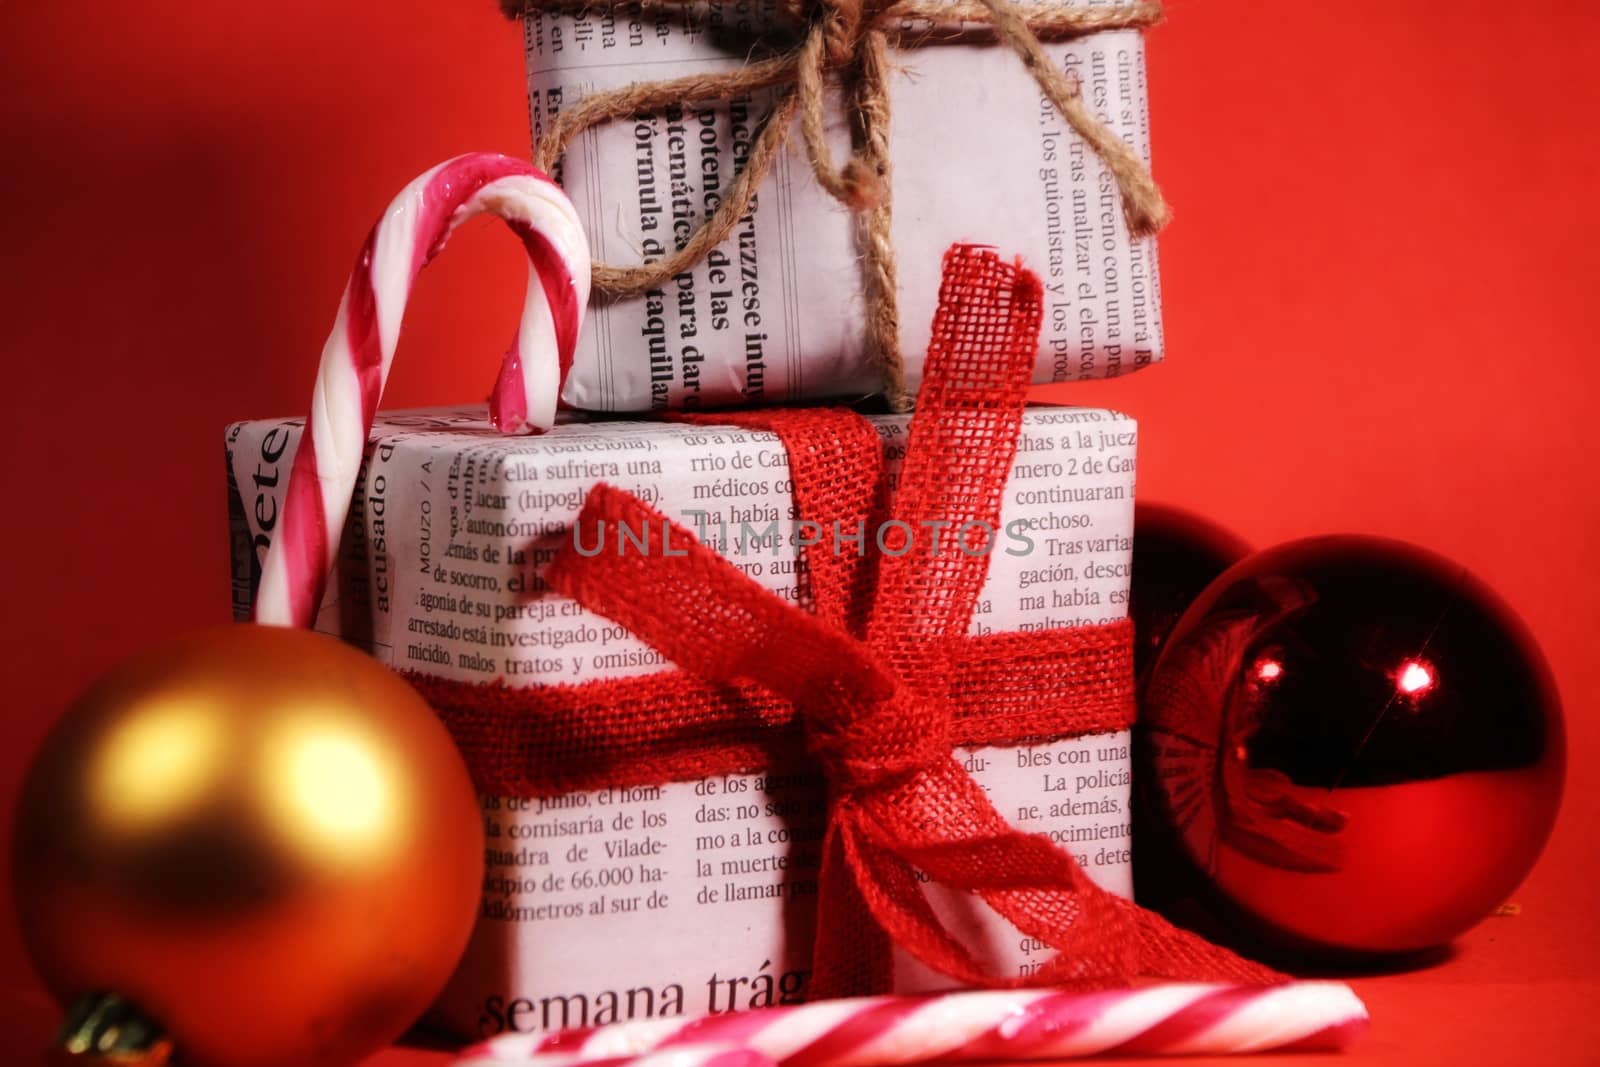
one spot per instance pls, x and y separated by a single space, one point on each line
869 685
847 42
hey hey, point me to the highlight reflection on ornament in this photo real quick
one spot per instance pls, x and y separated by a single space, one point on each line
1355 744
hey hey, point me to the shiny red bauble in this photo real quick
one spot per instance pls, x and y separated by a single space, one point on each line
1354 744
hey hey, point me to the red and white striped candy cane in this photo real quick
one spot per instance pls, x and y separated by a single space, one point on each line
356 358
671 1056
1174 1019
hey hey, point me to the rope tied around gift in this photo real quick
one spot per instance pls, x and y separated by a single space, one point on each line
848 41
870 682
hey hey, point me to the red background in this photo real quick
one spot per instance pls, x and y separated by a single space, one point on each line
1379 291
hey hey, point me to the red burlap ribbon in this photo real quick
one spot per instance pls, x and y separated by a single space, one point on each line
869 675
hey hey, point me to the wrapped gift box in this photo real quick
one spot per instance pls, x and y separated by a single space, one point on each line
776 313
698 894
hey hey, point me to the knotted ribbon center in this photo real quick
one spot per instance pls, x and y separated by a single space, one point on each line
870 681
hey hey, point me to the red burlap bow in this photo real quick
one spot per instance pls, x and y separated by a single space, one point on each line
870 682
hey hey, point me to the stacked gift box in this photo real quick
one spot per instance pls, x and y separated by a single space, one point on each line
657 835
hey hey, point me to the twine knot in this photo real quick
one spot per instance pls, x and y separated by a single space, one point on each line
841 22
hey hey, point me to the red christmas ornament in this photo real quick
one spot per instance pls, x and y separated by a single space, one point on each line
1176 554
1355 743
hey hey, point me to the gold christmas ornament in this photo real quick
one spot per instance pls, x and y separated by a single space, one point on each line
258 841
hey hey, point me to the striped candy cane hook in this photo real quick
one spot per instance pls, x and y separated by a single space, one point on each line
359 351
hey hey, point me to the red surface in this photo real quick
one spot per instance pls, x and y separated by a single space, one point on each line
1379 294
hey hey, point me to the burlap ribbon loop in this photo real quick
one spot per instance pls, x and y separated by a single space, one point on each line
873 702
847 43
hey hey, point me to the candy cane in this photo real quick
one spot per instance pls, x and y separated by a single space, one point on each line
969 1026
674 1056
356 358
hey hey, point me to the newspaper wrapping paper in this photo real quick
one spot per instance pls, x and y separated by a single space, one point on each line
692 896
775 313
